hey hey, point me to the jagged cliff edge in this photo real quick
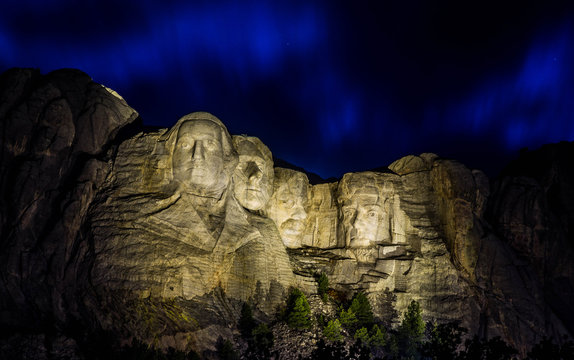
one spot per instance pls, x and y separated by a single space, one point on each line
108 228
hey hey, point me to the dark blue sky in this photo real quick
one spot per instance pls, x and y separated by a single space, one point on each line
330 86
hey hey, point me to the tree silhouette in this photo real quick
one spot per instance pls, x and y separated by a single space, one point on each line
411 331
361 307
298 310
246 322
443 341
332 331
322 286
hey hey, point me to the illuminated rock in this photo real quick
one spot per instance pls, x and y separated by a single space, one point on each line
287 207
253 177
322 217
162 235
179 231
260 272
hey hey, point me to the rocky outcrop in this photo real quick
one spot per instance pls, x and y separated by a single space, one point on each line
429 242
59 132
159 239
161 236
532 210
508 291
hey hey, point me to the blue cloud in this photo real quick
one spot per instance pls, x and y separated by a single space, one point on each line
253 38
529 106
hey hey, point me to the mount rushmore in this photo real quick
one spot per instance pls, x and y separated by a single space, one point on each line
162 235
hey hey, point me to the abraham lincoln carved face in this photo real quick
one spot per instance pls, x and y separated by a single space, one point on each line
361 210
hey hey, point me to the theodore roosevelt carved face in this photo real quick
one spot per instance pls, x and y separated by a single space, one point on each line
253 177
287 205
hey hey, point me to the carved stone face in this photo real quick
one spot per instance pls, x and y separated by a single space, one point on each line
361 209
361 218
198 156
287 206
253 177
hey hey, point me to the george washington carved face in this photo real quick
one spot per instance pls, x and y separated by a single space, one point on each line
203 157
198 154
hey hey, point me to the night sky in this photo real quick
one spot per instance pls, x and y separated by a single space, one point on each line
329 86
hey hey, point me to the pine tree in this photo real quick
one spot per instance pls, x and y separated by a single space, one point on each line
393 346
348 319
298 311
411 331
377 336
413 323
225 350
322 286
362 335
362 309
444 340
262 342
332 331
246 322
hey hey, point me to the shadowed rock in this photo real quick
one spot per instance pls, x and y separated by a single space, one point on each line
161 236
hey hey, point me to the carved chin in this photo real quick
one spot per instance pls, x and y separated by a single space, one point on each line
208 186
290 241
358 241
253 200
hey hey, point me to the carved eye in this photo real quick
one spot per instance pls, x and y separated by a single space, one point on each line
185 145
211 144
348 213
372 214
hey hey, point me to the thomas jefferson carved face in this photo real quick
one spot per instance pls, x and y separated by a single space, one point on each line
198 160
253 177
361 210
287 205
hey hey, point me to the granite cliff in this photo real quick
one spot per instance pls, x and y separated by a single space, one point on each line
161 236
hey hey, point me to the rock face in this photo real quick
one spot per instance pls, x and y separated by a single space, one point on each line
162 236
59 133
168 225
533 211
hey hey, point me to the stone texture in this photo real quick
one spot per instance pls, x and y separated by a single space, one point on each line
288 205
162 235
58 133
159 238
254 175
533 210
389 241
322 217
508 291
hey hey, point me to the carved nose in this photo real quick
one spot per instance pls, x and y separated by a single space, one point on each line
254 174
353 233
355 220
198 151
299 213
